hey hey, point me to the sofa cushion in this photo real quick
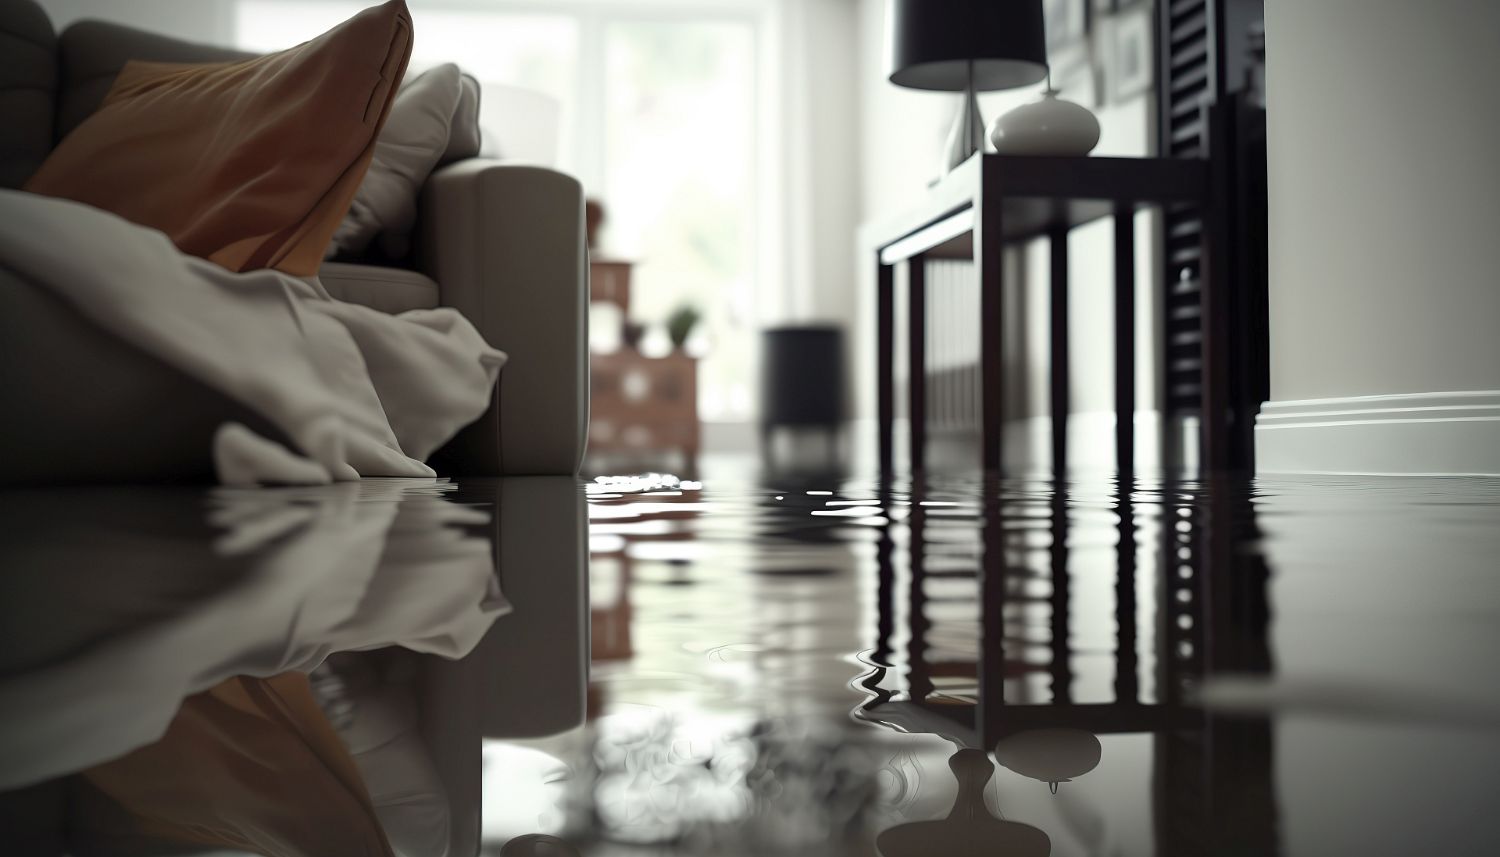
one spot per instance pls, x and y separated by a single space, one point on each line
390 290
28 82
250 164
90 55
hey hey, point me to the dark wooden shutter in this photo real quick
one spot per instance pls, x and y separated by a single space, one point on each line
1188 81
1205 62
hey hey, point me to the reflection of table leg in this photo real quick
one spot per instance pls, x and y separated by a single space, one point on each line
1058 239
885 381
916 351
1181 602
1062 665
1126 689
885 570
919 677
1125 340
989 262
991 667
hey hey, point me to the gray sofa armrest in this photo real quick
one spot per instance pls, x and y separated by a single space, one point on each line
505 244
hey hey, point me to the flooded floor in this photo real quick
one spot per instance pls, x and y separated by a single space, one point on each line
754 666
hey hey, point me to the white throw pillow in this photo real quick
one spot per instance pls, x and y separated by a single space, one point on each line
416 135
464 140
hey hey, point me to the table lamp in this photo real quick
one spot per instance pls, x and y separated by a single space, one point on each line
966 46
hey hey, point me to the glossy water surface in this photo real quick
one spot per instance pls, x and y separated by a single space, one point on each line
761 666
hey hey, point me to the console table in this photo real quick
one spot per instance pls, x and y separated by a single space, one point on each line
992 200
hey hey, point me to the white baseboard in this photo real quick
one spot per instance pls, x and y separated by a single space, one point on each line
1435 434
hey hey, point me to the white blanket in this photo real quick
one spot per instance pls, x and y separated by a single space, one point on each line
356 391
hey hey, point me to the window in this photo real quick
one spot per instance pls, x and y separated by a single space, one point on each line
679 184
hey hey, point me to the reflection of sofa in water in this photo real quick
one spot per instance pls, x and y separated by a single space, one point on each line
528 676
300 573
295 575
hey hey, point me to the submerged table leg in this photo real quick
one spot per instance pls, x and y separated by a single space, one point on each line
884 363
1125 340
989 262
917 360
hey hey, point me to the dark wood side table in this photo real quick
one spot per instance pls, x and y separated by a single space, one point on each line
992 200
639 403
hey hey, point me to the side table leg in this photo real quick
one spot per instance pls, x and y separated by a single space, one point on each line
1125 341
916 348
989 262
885 380
1058 239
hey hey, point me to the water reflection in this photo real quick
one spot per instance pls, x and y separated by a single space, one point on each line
287 671
969 830
787 666
1069 628
171 593
250 764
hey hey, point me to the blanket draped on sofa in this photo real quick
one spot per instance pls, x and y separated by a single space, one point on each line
297 387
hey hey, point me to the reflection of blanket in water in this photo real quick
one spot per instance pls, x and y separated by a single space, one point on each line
334 568
251 764
355 392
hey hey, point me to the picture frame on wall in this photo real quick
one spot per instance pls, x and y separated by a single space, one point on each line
1075 79
1067 23
1130 54
1070 65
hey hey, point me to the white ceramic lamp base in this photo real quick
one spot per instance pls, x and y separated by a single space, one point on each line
1047 126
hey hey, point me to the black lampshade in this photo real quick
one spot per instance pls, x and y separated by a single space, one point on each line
932 42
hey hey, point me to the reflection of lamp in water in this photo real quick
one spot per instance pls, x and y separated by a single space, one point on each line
1050 755
969 830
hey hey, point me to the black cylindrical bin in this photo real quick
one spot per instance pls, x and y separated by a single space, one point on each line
802 378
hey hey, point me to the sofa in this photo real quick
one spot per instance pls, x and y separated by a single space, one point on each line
501 243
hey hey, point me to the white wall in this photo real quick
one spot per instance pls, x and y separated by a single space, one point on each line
1384 196
196 20
1384 224
820 110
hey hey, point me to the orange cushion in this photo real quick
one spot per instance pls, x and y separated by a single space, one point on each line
249 164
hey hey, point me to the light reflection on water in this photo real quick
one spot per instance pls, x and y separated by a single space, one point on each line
788 668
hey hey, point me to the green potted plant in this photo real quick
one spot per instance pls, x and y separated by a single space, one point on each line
680 324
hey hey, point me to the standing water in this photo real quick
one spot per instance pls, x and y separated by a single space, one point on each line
779 667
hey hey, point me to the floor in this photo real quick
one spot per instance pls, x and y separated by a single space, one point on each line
776 666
